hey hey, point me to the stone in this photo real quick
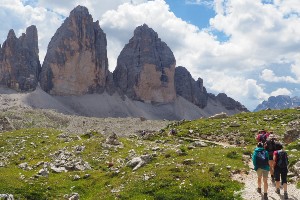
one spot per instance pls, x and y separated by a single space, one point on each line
43 172
74 196
19 61
76 177
7 196
138 162
25 166
76 61
145 68
229 103
199 144
291 135
221 115
190 89
5 124
112 139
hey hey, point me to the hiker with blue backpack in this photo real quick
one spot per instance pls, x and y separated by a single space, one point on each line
260 159
281 169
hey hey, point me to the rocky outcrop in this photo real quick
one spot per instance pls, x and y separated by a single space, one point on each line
145 68
76 61
19 61
228 102
190 89
279 102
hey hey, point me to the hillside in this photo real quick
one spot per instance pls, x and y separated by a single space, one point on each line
47 155
105 105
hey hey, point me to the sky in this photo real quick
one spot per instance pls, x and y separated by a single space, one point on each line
248 49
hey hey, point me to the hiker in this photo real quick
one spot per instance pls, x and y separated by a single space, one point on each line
262 136
270 146
281 162
260 160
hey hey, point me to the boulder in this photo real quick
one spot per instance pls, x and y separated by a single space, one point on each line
291 135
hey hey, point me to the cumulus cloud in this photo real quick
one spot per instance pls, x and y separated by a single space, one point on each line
281 91
269 76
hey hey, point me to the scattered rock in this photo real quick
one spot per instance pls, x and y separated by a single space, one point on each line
76 177
74 196
43 172
138 162
221 115
5 124
7 196
291 136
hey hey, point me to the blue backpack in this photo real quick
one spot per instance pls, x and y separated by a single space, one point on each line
262 159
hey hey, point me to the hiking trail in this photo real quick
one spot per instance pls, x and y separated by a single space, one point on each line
250 193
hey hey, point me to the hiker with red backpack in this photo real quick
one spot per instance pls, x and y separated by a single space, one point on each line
262 136
270 146
260 161
281 169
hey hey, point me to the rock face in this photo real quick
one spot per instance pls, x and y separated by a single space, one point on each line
76 60
145 68
19 61
190 89
228 102
279 102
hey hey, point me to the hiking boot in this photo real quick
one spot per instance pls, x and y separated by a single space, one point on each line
258 190
285 195
266 196
277 190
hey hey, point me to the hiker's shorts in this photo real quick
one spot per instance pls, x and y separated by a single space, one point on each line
262 172
280 172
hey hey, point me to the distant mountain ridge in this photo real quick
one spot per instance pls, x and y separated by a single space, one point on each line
279 102
76 64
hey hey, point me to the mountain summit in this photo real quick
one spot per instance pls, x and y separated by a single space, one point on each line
279 102
76 61
19 61
145 68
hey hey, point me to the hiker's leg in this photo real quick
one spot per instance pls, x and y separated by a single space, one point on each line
259 176
277 177
284 179
265 179
271 163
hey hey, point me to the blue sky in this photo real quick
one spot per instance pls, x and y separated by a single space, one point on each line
248 49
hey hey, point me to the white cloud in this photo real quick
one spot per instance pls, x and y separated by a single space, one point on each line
269 76
281 91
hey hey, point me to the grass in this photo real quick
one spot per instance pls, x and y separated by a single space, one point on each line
200 173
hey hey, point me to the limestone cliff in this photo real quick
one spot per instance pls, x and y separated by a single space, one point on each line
145 68
19 61
76 60
188 88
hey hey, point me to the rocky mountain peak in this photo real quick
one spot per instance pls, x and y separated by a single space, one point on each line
19 60
76 61
145 68
279 102
11 35
190 89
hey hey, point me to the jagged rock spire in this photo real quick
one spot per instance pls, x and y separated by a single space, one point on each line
145 68
76 61
19 60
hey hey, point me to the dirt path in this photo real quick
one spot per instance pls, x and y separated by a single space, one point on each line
249 193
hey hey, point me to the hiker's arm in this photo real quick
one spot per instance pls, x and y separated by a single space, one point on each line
254 158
